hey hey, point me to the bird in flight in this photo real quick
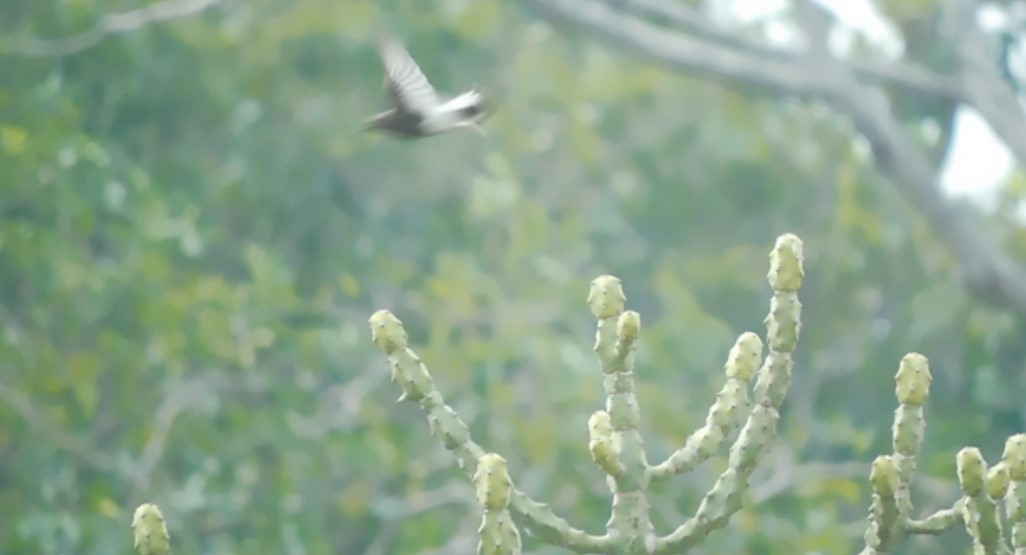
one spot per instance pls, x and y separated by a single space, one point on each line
417 109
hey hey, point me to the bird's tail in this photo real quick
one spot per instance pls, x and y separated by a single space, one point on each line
373 122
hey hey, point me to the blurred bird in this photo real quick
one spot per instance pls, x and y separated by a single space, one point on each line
417 111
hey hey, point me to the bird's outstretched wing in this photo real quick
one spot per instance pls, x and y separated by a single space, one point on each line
406 85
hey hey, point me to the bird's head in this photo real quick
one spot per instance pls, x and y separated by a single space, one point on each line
480 109
485 102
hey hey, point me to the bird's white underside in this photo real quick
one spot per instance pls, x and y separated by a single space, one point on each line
417 95
448 114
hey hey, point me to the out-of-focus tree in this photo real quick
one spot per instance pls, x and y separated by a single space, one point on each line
948 62
193 236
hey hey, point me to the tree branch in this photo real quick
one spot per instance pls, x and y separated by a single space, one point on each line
983 266
984 87
687 19
772 73
112 24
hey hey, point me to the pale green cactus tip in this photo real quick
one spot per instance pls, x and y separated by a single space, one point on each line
150 531
912 381
599 425
1014 457
883 475
744 357
387 331
786 263
601 445
492 481
971 470
606 297
628 326
998 479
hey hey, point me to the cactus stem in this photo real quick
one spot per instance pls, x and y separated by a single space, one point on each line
1014 459
939 522
624 460
911 389
885 524
498 534
981 516
411 374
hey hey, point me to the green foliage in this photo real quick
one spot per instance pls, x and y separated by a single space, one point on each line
191 236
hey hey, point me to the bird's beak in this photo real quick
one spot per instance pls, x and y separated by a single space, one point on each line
480 130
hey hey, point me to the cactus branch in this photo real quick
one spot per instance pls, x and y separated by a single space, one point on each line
1014 459
981 516
884 521
498 533
887 524
615 337
938 522
725 413
783 327
412 375
911 387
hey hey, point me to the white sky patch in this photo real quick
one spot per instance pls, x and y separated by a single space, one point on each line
990 17
865 19
781 32
978 162
747 11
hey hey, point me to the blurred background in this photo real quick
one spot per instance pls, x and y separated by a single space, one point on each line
192 237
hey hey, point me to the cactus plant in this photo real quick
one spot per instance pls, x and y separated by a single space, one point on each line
615 440
618 449
991 495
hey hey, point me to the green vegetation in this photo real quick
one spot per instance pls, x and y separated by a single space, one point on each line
192 237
